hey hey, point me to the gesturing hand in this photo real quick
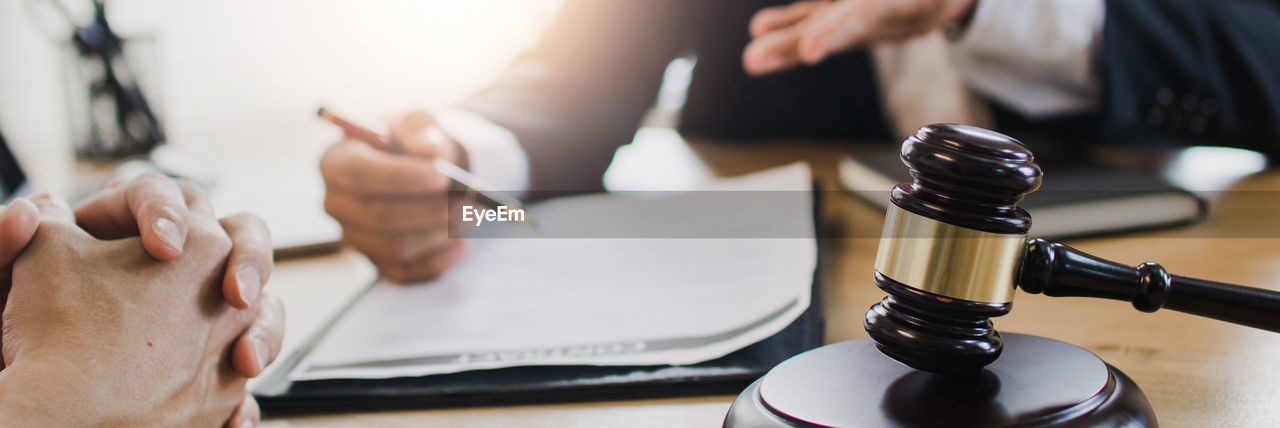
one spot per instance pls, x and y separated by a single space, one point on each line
807 32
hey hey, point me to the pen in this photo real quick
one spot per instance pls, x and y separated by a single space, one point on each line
476 188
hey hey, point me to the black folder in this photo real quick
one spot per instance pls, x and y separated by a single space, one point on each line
1077 198
545 384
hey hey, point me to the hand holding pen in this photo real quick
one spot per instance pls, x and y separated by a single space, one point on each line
393 200
476 188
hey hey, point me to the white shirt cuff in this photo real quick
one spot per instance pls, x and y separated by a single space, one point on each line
493 152
1038 57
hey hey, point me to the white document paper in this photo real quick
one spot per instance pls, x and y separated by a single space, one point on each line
622 300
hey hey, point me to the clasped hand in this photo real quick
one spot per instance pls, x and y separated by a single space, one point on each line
137 308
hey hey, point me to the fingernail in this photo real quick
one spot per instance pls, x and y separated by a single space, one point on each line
756 67
435 135
167 230
814 57
766 62
250 283
14 202
260 353
246 423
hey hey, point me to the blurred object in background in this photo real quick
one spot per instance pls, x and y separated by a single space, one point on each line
12 181
236 82
111 118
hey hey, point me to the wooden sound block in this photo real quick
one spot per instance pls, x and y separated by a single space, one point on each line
1036 382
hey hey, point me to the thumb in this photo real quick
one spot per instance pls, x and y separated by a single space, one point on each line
417 134
18 223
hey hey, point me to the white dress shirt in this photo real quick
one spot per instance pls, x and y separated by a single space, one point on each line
493 152
1038 57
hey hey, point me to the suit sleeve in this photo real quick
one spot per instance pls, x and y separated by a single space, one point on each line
582 91
1198 71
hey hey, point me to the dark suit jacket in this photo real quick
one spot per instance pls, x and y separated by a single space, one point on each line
582 91
1192 71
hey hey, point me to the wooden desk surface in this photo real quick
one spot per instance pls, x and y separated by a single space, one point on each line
1195 372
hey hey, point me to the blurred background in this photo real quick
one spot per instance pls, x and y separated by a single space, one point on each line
236 84
228 76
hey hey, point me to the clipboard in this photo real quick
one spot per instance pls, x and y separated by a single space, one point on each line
278 394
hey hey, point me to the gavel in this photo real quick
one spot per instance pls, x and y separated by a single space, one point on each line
955 247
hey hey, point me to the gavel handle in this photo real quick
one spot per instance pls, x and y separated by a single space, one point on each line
1058 270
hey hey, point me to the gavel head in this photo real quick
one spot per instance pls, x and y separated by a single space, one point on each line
950 249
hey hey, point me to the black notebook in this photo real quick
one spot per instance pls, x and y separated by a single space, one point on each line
1076 198
286 391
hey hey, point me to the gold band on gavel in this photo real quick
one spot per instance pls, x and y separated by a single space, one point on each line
949 260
